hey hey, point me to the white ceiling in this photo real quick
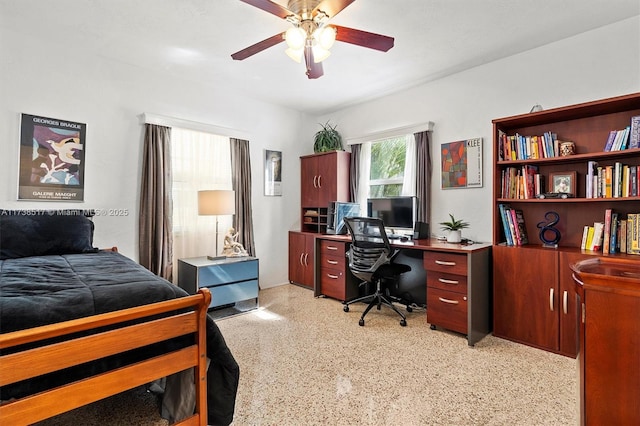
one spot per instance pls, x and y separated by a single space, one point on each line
193 40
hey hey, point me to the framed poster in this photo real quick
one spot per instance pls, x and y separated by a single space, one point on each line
51 159
462 164
272 173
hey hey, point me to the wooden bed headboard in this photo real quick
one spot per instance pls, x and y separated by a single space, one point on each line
73 350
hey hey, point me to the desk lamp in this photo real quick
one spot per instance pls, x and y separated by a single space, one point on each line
215 203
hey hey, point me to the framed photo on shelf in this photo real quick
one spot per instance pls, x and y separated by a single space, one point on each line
562 182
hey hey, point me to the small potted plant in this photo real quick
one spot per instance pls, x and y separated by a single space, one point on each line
454 226
327 139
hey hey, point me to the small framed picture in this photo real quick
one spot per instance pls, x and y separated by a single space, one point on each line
563 182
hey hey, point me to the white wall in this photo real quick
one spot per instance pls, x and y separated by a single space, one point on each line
597 64
109 97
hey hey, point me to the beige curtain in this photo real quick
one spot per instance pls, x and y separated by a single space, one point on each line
155 244
241 178
423 173
354 172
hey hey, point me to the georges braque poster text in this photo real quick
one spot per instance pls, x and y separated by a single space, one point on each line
462 164
51 159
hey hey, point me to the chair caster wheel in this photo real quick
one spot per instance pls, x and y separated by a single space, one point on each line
403 323
409 309
361 322
345 308
433 327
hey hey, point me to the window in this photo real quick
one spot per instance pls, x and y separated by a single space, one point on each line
387 167
199 161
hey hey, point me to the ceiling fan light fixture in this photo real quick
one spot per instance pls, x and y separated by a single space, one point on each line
325 37
295 54
295 38
319 53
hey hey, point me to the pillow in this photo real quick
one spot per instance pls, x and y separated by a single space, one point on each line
44 232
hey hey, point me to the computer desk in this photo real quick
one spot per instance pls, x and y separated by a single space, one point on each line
454 277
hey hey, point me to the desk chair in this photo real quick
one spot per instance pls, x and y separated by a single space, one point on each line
371 260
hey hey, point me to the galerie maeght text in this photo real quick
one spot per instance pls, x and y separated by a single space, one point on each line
51 159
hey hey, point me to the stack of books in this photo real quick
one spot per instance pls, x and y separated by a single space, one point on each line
514 226
615 234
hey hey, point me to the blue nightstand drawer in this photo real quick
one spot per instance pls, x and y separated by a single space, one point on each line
220 274
231 293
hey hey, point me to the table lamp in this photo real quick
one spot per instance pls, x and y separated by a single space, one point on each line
216 202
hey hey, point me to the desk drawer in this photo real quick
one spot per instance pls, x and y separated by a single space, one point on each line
336 248
447 309
218 274
453 263
333 283
331 261
448 282
231 293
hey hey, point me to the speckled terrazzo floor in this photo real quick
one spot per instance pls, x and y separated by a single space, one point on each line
304 361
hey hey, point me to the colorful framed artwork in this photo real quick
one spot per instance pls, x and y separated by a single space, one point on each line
272 173
51 159
563 182
461 164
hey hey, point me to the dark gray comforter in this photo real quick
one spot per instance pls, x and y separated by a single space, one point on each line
41 290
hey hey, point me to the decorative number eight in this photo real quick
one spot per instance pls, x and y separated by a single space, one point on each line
549 227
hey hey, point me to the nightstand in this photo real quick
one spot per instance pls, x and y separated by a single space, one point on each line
230 280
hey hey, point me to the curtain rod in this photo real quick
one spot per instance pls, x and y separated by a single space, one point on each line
161 120
390 133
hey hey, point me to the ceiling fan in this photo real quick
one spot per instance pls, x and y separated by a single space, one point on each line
311 37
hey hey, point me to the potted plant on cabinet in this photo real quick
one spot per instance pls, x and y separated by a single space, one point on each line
327 139
454 226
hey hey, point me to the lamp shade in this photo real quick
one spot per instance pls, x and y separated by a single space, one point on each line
216 202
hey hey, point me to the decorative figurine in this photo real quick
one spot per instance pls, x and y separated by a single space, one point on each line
232 248
549 228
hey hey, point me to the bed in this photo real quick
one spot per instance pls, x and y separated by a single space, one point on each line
78 324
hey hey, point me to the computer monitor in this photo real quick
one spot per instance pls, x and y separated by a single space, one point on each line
396 212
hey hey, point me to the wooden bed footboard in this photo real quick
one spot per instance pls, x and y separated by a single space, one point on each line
149 325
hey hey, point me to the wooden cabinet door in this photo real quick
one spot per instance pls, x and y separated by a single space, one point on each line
569 304
327 179
525 295
301 259
309 181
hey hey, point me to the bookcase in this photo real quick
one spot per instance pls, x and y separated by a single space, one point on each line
534 300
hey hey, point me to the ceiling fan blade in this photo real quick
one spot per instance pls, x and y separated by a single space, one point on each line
271 7
258 47
331 7
314 70
364 38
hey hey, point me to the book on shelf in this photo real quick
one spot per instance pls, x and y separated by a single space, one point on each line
521 227
613 238
607 231
596 241
589 239
633 233
634 132
505 223
610 139
585 235
623 236
591 179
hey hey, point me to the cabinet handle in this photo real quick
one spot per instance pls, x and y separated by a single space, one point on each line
445 263
306 259
319 181
332 248
584 313
301 259
445 281
315 181
452 302
565 302
551 299
333 277
332 262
